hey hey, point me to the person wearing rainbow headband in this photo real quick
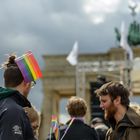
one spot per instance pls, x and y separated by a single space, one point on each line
14 122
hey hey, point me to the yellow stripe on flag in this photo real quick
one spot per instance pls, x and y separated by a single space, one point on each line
30 67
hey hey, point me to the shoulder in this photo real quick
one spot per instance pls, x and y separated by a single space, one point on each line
133 116
109 132
91 131
102 127
63 127
32 113
88 127
135 107
9 108
14 121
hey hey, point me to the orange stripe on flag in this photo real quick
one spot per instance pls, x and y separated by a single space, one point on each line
34 65
27 59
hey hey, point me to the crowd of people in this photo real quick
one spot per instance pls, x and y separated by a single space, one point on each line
123 118
19 120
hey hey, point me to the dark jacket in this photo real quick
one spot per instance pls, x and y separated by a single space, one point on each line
14 123
101 130
127 129
78 130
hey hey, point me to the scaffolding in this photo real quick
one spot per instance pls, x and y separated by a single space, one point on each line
102 67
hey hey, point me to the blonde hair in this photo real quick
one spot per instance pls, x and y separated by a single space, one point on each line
34 117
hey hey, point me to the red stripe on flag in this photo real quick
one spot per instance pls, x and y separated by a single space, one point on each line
35 65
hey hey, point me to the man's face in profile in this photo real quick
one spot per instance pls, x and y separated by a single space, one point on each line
108 106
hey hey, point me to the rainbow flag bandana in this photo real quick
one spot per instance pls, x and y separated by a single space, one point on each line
29 67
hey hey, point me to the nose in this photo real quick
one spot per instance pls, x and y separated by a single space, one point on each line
101 105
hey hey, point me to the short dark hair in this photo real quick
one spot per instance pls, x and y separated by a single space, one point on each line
115 89
12 74
97 120
76 107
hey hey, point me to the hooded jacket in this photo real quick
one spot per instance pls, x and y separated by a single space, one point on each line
127 129
14 123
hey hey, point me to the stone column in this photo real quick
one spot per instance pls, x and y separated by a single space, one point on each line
46 114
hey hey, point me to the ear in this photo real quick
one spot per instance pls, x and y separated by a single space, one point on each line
117 101
27 84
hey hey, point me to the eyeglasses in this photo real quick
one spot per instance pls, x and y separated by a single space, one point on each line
33 84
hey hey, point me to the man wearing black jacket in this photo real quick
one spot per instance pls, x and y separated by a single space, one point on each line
14 123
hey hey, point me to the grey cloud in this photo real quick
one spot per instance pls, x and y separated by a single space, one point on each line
51 27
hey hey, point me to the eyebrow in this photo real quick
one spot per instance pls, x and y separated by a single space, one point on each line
103 100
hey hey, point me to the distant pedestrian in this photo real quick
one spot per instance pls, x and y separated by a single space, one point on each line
100 127
75 128
34 117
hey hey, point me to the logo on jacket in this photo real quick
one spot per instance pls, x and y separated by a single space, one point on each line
17 130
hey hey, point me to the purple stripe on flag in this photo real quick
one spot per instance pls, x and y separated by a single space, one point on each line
23 70
29 74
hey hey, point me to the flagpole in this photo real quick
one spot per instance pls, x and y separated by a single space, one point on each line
76 68
128 57
76 76
127 71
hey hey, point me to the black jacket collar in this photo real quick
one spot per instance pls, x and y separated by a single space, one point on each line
20 99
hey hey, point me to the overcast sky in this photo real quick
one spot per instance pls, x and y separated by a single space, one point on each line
52 26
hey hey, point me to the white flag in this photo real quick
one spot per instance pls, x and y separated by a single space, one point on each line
72 58
123 42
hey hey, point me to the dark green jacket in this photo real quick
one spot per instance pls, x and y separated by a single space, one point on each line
127 129
5 92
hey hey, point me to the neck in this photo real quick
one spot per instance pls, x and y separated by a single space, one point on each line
121 111
78 118
20 90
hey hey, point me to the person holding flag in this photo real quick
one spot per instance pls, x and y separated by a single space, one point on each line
54 130
76 128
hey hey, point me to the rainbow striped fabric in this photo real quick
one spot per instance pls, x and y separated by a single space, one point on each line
29 67
54 127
